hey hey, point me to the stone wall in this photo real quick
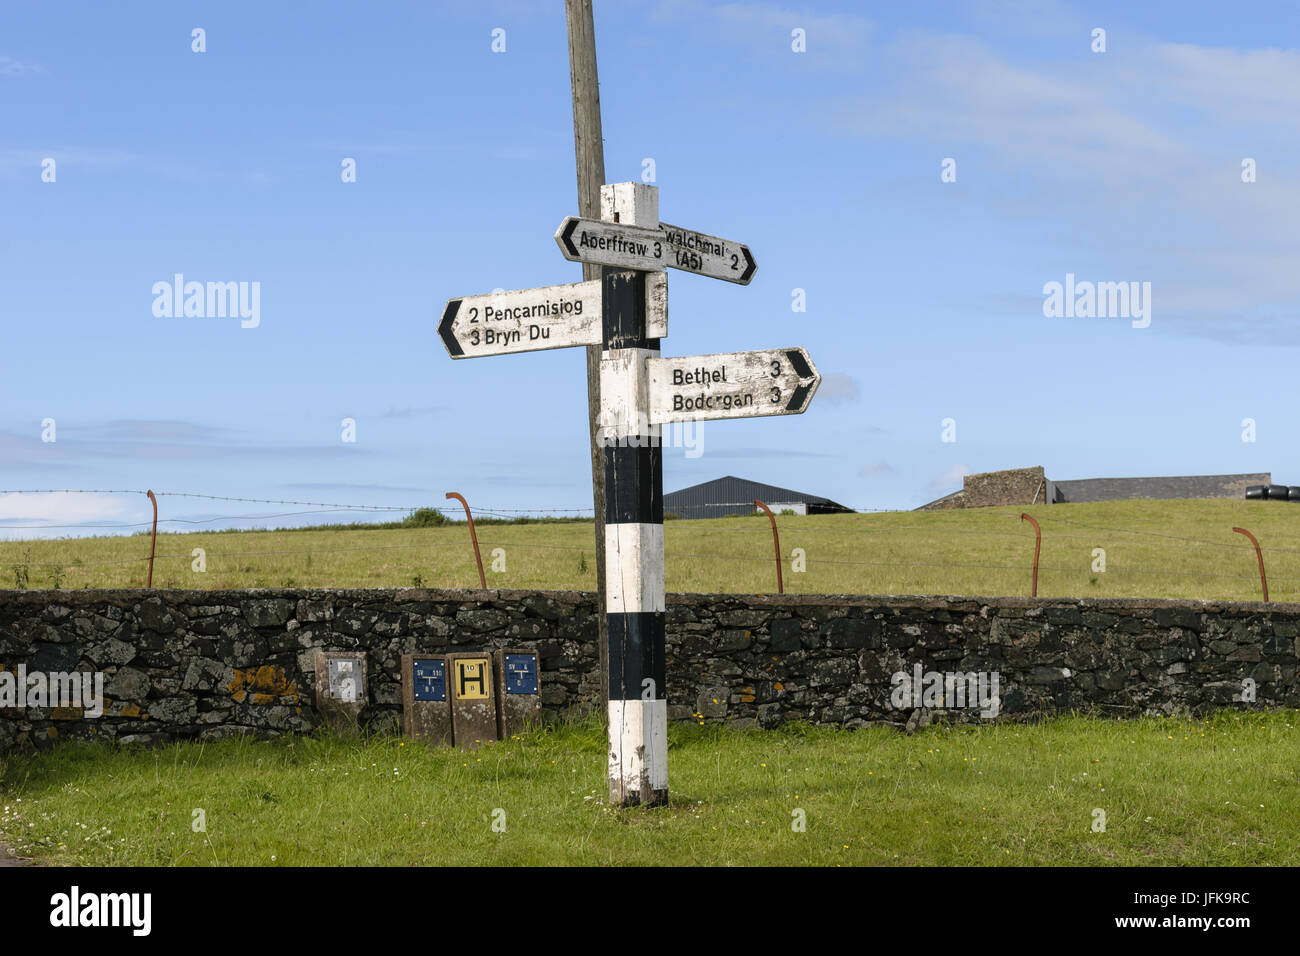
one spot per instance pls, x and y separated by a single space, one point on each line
207 664
1014 486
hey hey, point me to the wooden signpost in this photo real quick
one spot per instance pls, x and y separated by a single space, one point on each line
639 392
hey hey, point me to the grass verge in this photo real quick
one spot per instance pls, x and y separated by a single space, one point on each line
1222 791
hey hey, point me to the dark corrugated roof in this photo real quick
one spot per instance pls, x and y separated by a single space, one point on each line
730 495
1188 486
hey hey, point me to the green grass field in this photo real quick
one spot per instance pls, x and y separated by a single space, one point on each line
1221 791
1169 549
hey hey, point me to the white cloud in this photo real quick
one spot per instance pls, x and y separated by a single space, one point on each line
1133 154
1239 86
949 481
838 387
19 512
834 41
11 67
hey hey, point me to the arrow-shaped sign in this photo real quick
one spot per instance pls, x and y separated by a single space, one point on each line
653 250
731 385
530 320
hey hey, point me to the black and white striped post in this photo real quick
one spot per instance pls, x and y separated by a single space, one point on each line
634 522
640 392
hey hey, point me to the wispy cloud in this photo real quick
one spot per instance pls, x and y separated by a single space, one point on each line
47 515
144 429
9 66
838 387
771 454
109 159
834 41
949 481
358 487
153 440
13 158
410 411
1143 143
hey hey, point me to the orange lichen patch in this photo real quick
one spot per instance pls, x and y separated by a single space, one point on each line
267 684
746 698
778 686
272 698
66 713
131 710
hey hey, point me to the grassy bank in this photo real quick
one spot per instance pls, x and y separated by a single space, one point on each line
1173 549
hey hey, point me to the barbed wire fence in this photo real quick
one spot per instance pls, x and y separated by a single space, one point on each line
734 554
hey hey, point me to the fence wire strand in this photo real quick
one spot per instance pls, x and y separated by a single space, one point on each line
869 535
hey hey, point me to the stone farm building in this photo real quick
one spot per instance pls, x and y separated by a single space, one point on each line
1028 486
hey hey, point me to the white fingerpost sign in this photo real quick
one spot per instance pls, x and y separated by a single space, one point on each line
531 320
731 385
637 246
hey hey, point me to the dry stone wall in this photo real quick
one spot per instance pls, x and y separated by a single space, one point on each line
209 664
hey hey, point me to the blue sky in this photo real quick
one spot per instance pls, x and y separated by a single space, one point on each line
924 298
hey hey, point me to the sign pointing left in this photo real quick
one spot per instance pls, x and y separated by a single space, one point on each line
665 247
530 320
523 320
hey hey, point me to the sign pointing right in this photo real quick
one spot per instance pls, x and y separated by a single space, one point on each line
731 385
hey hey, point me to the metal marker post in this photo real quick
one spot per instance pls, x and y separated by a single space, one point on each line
153 539
634 528
776 544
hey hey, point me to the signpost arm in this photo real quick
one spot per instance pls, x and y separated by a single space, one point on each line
589 153
634 528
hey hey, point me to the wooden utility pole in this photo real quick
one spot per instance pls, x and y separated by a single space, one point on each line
589 151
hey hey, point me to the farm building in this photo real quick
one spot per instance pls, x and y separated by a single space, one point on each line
735 496
1028 486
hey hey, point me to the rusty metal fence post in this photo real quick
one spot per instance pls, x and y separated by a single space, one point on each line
776 543
1263 581
482 580
1038 542
153 539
